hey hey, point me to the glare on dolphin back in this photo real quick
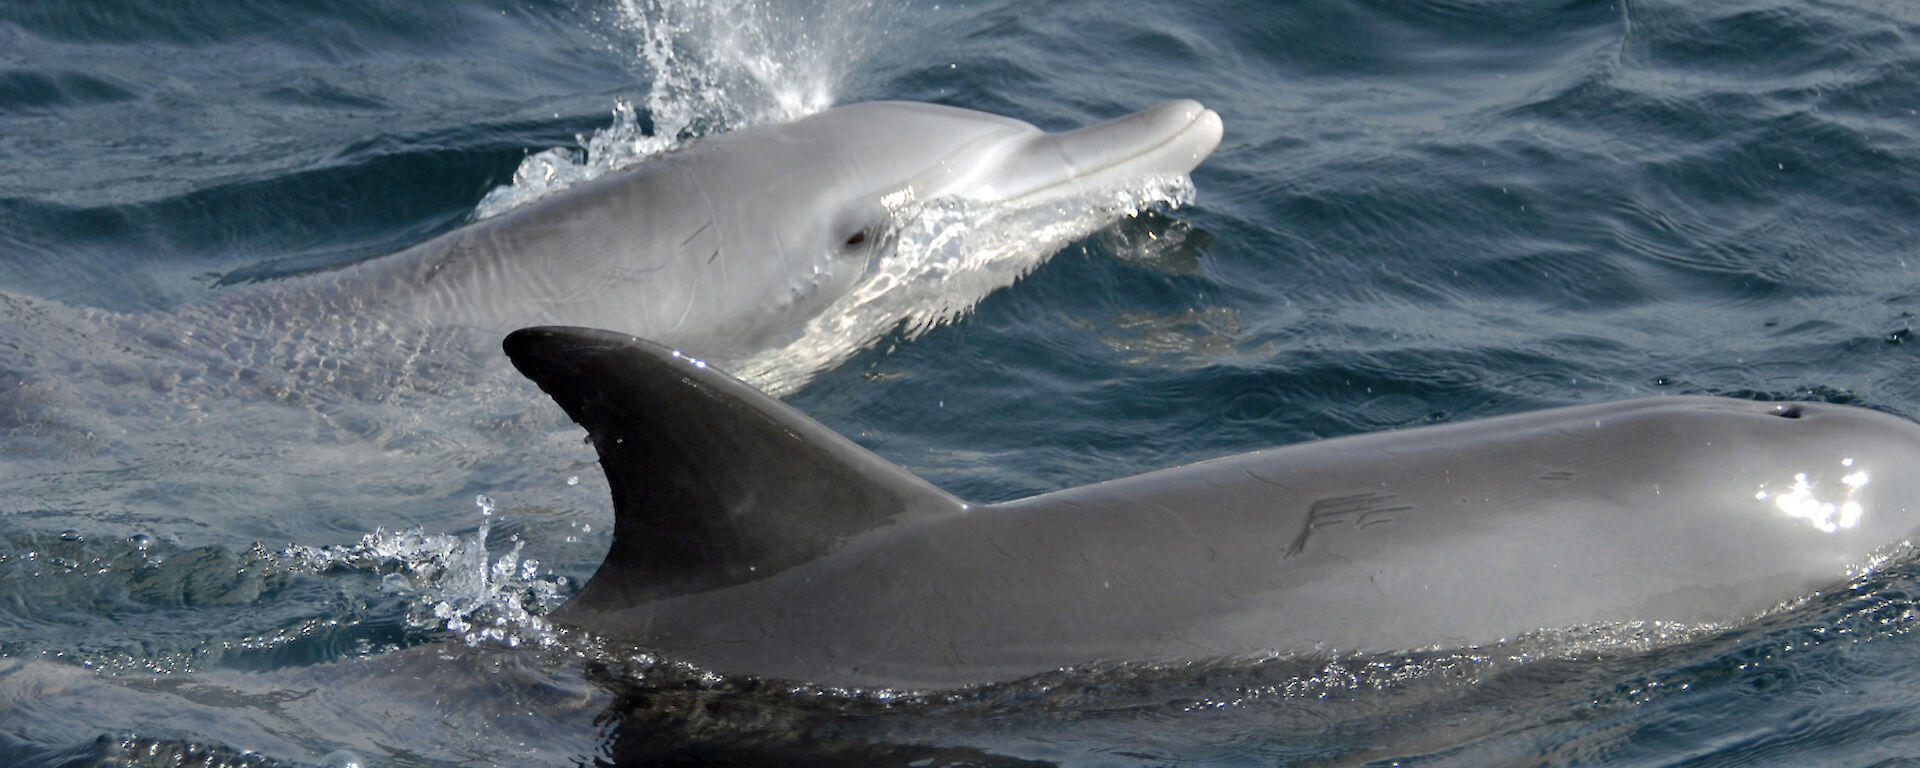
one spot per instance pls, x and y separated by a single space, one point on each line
1826 503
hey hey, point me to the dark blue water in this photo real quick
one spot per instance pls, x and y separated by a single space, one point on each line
1421 212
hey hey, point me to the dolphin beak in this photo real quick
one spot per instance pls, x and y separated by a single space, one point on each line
1167 140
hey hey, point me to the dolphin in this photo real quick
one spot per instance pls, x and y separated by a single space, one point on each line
751 540
743 247
729 245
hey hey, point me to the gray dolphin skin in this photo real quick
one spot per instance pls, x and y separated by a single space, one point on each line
749 539
726 247
743 247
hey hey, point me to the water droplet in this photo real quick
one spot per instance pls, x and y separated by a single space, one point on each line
341 758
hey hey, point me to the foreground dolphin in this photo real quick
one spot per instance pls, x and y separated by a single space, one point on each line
727 246
752 540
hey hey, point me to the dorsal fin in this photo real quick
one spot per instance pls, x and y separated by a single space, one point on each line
714 483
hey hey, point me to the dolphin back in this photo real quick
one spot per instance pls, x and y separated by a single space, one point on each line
714 483
751 540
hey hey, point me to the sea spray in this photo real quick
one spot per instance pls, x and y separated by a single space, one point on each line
457 586
704 67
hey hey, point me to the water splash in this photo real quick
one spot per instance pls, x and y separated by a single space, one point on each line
616 146
458 586
726 64
708 66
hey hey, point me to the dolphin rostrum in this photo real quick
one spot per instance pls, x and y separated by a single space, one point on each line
749 539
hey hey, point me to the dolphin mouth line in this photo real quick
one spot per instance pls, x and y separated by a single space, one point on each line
1202 130
1204 119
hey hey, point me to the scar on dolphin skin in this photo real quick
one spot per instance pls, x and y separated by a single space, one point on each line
696 233
1362 510
633 274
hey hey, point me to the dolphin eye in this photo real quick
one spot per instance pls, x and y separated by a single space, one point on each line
857 238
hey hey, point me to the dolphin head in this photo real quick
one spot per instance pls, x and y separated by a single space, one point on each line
798 212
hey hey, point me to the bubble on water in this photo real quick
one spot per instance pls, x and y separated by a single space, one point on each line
341 758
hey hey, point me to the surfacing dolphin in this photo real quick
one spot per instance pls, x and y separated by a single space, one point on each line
736 247
728 246
751 540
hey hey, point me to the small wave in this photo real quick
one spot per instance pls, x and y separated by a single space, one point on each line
262 608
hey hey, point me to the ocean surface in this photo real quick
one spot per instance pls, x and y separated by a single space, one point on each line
1421 212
